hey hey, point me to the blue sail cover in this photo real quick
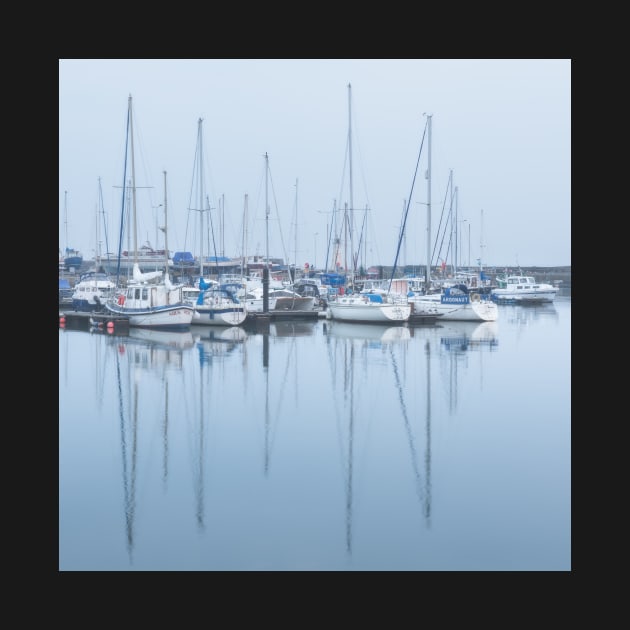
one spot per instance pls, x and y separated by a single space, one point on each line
183 258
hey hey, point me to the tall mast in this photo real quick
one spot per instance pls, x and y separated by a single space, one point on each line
266 267
351 217
427 280
458 242
98 244
200 190
165 240
296 231
65 212
133 187
223 224
267 207
454 228
481 245
244 248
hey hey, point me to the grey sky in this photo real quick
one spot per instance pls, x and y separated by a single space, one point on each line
502 126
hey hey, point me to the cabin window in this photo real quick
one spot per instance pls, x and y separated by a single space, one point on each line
137 294
145 293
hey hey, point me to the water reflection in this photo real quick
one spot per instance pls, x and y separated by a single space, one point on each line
352 348
141 354
464 336
292 328
526 315
379 333
215 343
316 445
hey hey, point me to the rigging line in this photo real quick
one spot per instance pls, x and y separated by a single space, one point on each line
343 170
434 256
273 192
102 208
404 222
124 195
214 245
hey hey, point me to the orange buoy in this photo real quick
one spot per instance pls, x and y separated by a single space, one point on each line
62 320
110 326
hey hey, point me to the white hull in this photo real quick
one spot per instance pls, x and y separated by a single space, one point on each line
164 317
152 305
255 305
359 309
233 316
506 295
471 311
520 289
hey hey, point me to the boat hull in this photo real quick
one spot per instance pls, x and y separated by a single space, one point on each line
171 317
294 303
360 309
462 311
526 297
234 316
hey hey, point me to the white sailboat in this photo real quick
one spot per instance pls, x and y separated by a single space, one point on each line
148 300
214 304
458 303
366 308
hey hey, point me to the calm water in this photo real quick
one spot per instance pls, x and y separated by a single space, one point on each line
320 446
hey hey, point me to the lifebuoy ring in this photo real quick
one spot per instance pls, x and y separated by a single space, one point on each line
121 300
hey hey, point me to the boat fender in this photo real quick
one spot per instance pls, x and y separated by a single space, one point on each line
121 300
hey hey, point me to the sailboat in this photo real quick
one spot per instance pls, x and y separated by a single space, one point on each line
214 304
148 300
457 303
366 307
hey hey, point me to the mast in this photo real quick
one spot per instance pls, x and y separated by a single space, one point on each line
454 229
266 267
427 280
65 210
200 190
481 245
165 240
223 224
351 217
133 187
267 208
97 257
296 231
244 247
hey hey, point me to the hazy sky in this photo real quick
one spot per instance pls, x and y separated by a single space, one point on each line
502 127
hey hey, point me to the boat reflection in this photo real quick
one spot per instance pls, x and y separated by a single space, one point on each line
214 343
463 336
354 350
153 349
526 315
292 328
367 332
